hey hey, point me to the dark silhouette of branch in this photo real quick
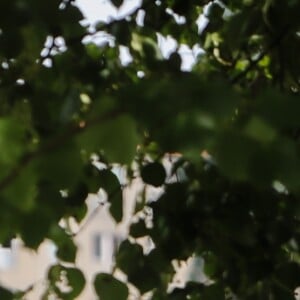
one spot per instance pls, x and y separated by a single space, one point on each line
55 143
254 62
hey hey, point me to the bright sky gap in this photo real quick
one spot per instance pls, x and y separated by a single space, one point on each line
103 11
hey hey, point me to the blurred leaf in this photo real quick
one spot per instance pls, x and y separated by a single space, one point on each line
146 47
138 229
233 118
23 193
73 277
31 234
77 197
6 294
76 281
66 249
107 287
214 291
210 264
142 273
234 153
110 183
12 143
284 111
117 138
62 166
117 3
154 174
259 130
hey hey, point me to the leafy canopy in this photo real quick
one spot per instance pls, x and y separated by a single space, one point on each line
234 119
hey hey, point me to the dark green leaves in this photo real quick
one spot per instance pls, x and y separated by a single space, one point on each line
234 153
22 195
154 174
138 229
11 43
233 119
144 273
257 155
94 179
117 3
282 111
13 144
71 276
5 294
66 249
210 264
110 183
107 287
116 137
199 108
61 167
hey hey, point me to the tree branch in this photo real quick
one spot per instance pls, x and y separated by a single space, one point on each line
55 143
253 63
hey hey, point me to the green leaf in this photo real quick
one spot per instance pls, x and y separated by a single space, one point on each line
65 95
66 249
117 138
12 143
143 273
76 281
214 291
138 229
121 31
210 264
116 210
127 253
281 111
260 130
287 164
154 174
74 278
107 287
62 166
6 294
77 196
110 183
22 194
31 234
234 153
78 213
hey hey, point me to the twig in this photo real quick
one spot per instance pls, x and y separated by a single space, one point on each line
53 144
254 62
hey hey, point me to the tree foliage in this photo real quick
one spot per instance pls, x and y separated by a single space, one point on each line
234 119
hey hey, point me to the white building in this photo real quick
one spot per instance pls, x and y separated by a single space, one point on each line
97 238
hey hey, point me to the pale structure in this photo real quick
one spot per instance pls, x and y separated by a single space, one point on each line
97 238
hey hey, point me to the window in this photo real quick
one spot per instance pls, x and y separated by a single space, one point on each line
97 245
6 258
